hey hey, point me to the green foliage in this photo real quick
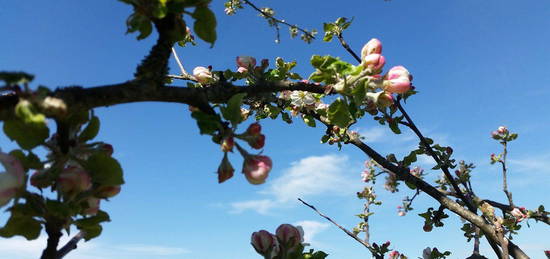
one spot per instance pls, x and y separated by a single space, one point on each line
205 24
104 169
22 223
208 123
338 113
335 28
232 112
91 225
29 128
15 78
29 161
91 130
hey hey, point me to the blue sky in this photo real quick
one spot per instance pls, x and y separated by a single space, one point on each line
477 65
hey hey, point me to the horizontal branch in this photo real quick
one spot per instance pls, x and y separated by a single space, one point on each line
79 98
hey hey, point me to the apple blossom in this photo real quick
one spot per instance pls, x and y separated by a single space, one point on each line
13 166
74 179
502 130
417 171
8 187
202 74
374 46
518 214
289 236
107 191
265 243
426 253
242 70
374 62
256 168
393 255
302 98
92 206
401 213
366 175
246 61
397 80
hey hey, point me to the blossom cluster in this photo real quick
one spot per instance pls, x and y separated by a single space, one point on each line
287 241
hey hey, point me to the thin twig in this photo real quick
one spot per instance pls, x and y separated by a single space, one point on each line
278 20
347 47
349 233
183 72
504 177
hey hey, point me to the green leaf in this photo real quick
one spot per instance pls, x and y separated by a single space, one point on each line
100 217
394 126
27 135
21 225
410 185
141 23
91 130
104 169
58 209
15 78
309 120
205 24
233 110
207 123
338 113
91 231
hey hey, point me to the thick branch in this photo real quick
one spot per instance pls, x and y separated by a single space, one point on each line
134 91
53 229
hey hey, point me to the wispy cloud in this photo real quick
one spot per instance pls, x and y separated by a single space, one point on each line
308 177
532 164
311 229
20 248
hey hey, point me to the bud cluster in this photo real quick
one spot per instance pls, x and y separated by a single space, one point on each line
287 242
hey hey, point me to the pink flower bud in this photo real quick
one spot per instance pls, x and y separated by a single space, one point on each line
242 70
374 46
257 142
256 168
393 254
289 236
385 100
397 80
502 130
225 170
387 244
8 187
246 61
518 214
264 243
13 166
227 144
107 191
40 180
254 129
427 227
374 62
107 148
366 176
74 179
401 213
202 74
92 206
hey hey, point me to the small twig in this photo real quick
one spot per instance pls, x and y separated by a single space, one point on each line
444 167
349 233
347 47
183 72
183 77
504 177
278 20
71 245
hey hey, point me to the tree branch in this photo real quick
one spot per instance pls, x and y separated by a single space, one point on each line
53 229
349 233
71 245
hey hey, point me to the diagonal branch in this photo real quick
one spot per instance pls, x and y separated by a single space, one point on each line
349 233
71 245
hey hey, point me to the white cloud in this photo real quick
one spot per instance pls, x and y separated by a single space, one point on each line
260 206
531 164
17 247
308 177
312 228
